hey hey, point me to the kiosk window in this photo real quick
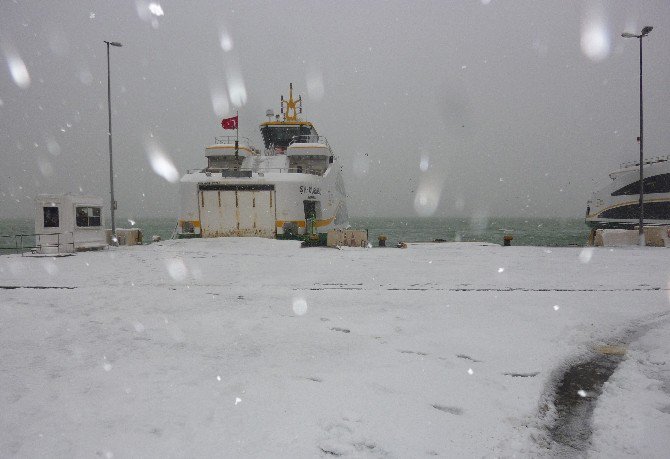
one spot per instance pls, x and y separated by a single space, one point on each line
88 216
51 217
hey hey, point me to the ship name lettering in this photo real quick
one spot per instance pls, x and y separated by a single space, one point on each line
309 189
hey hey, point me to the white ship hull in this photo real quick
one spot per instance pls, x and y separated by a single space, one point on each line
617 205
266 204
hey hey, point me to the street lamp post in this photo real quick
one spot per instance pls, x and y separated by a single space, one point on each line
645 31
109 135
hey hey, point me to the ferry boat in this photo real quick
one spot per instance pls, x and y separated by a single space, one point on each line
291 189
617 205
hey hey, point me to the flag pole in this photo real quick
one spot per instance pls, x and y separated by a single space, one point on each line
237 133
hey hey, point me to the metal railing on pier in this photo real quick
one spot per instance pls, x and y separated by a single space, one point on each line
32 242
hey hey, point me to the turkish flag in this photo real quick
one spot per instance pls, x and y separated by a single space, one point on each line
229 123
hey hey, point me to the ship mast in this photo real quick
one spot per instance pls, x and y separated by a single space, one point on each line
291 105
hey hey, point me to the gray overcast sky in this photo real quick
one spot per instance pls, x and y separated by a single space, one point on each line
482 108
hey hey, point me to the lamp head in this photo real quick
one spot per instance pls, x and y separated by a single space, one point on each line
115 43
646 30
628 35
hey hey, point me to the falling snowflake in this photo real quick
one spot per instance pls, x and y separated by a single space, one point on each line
156 9
17 68
424 163
161 163
226 41
299 306
586 254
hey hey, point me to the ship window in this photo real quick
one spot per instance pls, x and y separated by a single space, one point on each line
224 162
654 184
281 136
652 211
51 217
309 164
88 216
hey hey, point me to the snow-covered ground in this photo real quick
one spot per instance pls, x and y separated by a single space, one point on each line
258 348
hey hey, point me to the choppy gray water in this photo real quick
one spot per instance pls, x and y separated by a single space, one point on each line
534 232
537 232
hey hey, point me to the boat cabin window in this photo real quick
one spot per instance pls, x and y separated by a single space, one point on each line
652 210
88 216
224 163
280 136
308 164
654 184
51 217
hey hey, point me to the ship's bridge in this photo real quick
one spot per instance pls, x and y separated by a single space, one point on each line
278 135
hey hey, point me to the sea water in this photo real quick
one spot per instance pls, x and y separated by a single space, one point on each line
524 231
536 232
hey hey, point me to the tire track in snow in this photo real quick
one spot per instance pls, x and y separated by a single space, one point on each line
578 388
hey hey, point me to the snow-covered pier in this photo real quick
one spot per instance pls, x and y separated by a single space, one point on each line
257 348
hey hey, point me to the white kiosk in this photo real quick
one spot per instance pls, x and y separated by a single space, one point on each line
67 223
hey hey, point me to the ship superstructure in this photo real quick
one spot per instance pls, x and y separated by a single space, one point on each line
291 188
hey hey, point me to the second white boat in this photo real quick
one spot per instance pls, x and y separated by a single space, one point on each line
617 205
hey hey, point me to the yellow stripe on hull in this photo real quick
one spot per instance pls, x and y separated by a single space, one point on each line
303 223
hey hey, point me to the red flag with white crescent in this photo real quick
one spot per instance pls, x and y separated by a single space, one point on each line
229 123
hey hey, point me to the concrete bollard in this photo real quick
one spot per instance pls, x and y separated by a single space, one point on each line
507 240
382 240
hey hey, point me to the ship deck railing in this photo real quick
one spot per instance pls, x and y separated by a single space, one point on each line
309 139
291 170
654 160
295 170
274 150
230 140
